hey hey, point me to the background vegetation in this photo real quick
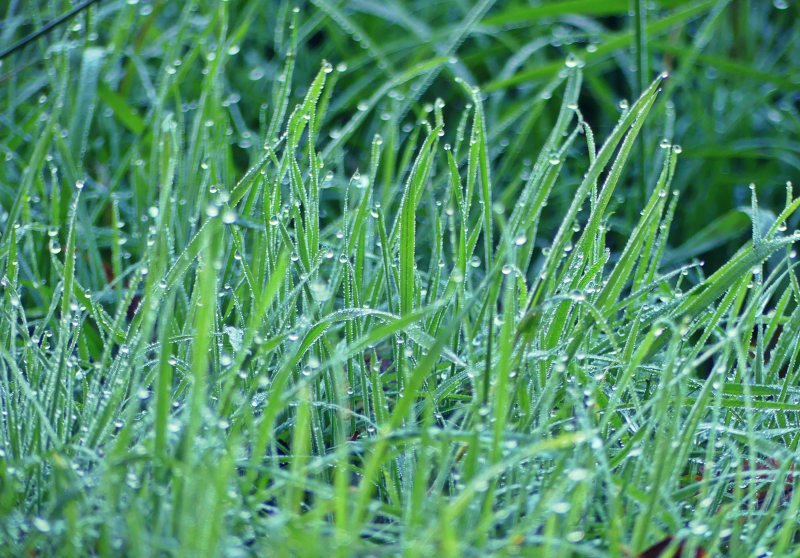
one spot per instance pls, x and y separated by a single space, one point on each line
400 277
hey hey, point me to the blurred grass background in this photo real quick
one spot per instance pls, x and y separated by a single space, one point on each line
732 102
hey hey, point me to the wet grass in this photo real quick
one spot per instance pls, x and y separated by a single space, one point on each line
399 279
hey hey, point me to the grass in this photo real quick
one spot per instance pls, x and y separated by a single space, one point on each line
403 278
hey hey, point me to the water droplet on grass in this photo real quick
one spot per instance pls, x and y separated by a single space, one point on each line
320 290
578 474
41 524
575 536
698 529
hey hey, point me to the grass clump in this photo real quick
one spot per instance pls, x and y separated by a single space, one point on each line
333 334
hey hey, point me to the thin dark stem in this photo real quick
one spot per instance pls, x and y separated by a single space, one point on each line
46 28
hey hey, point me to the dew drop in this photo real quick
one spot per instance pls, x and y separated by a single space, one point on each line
41 524
320 290
578 474
228 217
575 536
698 529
